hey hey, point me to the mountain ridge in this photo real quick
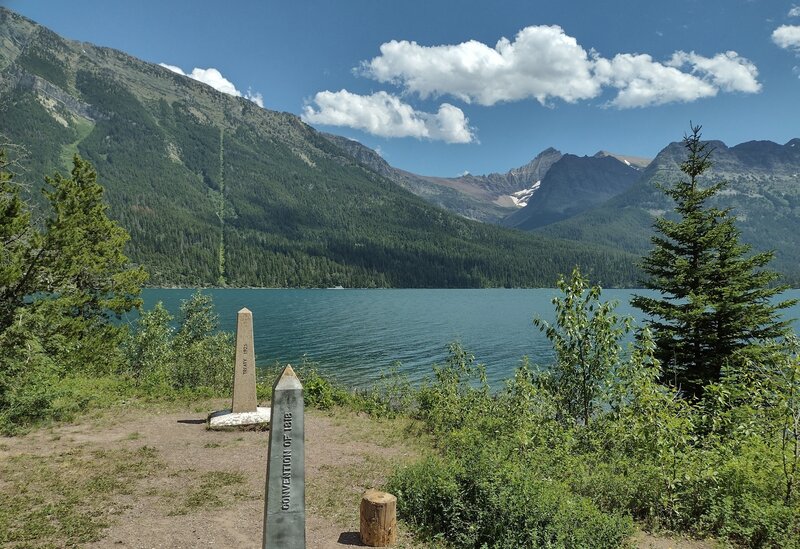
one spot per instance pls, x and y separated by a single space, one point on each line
622 218
216 190
572 185
486 198
763 189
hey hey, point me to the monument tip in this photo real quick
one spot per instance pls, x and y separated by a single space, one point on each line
288 380
244 310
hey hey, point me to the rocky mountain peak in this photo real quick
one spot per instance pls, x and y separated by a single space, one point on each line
637 162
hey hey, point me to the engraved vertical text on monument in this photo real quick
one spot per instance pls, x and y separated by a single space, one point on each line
284 506
244 376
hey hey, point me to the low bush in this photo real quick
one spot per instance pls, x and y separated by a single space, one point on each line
480 501
320 391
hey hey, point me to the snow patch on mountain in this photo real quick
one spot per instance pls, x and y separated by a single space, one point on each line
521 198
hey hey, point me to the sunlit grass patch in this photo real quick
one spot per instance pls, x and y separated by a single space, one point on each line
67 498
213 489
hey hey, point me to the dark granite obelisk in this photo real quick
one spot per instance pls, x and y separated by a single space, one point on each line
285 498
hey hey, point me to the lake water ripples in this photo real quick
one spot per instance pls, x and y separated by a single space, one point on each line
357 335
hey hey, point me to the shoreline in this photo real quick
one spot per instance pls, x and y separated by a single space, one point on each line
363 288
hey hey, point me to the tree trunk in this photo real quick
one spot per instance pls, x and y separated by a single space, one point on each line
378 519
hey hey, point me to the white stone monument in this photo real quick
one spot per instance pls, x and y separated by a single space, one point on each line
244 411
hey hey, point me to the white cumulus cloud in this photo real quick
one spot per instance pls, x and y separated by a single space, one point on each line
544 63
728 71
386 115
214 78
643 82
541 63
787 37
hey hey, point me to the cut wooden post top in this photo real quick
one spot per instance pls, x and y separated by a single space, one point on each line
376 496
378 520
245 310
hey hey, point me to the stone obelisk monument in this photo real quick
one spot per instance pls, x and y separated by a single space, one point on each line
244 376
285 501
244 412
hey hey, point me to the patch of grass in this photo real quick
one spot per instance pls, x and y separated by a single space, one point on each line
214 488
382 431
82 128
134 436
212 445
66 499
336 492
180 472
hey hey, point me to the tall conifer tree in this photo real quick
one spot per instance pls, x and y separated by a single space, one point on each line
87 269
716 300
18 242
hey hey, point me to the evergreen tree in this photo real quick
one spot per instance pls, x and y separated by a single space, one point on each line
716 300
17 240
87 269
58 290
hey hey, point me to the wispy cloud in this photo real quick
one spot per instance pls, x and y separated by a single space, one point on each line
544 63
386 115
214 78
795 11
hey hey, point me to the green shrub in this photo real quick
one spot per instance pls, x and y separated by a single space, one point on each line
149 348
319 391
485 503
458 391
751 521
196 356
428 494
203 356
28 375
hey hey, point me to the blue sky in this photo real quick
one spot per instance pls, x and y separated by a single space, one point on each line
442 88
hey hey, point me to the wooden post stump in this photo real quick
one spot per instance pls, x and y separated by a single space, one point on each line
378 519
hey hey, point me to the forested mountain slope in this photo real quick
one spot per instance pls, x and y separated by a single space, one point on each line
215 190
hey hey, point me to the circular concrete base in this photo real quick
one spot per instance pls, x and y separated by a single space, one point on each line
226 420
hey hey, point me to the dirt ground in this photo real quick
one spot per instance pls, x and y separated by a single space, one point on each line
206 488
345 455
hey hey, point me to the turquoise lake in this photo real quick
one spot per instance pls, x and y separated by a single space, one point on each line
356 335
